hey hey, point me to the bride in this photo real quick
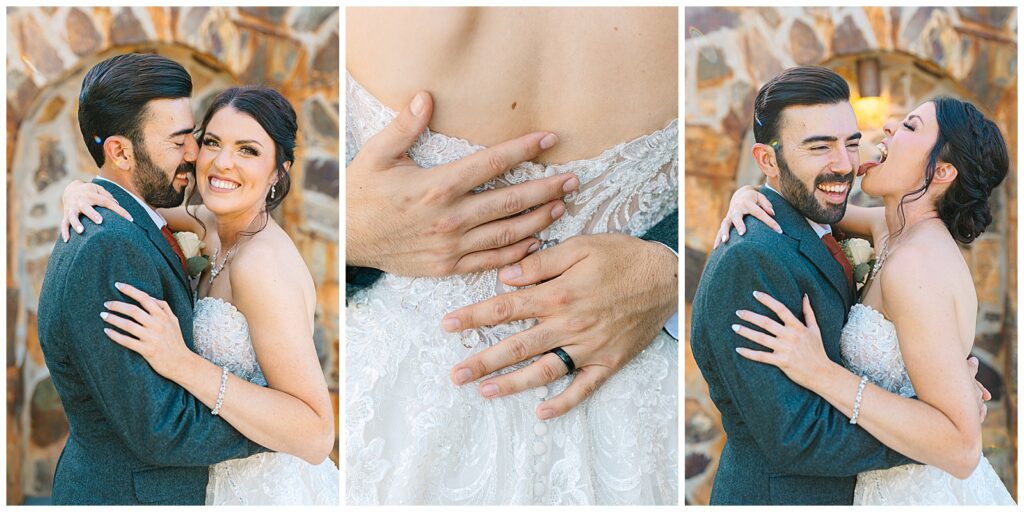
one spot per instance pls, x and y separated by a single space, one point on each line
916 317
414 437
254 317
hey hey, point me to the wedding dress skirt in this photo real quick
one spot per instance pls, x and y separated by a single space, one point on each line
413 437
870 347
222 336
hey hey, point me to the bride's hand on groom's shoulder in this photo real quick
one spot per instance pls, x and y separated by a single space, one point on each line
406 220
747 200
601 298
82 198
153 329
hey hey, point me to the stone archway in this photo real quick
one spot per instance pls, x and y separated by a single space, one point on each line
292 49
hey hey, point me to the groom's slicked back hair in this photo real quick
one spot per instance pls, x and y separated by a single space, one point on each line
801 85
115 93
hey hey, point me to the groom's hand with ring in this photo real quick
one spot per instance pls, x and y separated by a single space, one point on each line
601 298
405 220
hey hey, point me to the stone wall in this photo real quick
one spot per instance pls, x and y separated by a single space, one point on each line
966 52
49 49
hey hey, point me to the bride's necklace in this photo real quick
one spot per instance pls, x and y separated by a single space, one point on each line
215 269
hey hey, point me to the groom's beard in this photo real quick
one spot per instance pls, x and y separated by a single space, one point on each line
802 198
156 188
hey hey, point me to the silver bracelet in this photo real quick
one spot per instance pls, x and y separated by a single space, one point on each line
856 401
220 394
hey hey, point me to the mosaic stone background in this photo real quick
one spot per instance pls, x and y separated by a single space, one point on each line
967 52
49 49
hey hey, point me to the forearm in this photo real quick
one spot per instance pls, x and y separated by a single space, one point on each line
269 417
178 219
860 220
909 426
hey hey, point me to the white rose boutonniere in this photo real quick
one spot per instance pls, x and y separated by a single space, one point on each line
192 246
861 256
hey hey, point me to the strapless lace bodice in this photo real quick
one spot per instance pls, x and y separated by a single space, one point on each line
413 437
870 347
221 335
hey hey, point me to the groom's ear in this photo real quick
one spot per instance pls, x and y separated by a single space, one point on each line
944 173
117 150
764 155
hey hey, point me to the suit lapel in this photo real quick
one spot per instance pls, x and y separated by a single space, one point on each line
795 226
142 219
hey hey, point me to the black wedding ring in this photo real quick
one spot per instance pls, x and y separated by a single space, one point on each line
569 364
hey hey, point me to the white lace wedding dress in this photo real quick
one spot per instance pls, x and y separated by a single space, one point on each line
870 347
413 437
222 336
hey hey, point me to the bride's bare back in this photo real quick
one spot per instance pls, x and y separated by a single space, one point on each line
594 76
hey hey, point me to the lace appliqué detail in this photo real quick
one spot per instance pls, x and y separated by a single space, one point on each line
221 335
413 437
870 347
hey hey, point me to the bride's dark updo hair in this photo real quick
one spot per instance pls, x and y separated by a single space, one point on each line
975 146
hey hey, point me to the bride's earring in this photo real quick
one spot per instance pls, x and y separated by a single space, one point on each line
272 190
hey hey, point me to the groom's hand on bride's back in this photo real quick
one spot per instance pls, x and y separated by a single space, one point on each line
405 220
601 298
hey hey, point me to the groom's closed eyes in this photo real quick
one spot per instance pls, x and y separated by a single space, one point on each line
815 142
178 138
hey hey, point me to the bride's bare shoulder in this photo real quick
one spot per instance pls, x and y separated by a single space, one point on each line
265 262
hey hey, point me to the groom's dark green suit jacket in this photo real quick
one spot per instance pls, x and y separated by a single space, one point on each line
135 437
785 445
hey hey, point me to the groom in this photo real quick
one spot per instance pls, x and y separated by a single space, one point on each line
785 444
135 437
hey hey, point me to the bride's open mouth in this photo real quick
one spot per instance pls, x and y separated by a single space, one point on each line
222 185
883 150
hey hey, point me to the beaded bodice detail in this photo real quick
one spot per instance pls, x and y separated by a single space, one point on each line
221 335
412 437
870 347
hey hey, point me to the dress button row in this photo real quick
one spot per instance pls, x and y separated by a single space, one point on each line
540 448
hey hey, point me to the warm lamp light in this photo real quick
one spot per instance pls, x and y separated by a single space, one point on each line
871 112
871 108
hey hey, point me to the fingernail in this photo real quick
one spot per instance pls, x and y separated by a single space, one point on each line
79 229
103 315
557 211
451 324
571 184
462 376
418 104
512 272
533 248
118 285
545 414
130 219
548 141
489 390
739 350
735 328
778 230
739 313
100 221
106 304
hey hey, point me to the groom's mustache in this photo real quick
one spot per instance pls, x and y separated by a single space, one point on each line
186 167
834 177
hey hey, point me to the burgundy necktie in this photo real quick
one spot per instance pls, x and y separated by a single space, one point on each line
840 256
177 248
